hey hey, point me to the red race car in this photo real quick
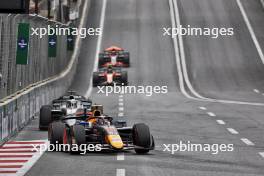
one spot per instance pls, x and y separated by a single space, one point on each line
109 76
114 56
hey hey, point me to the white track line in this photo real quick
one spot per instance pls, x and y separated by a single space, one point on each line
256 91
261 154
120 157
121 99
182 55
121 108
182 68
120 172
232 131
203 108
251 31
121 104
9 154
211 114
177 53
247 141
262 3
121 114
98 46
221 122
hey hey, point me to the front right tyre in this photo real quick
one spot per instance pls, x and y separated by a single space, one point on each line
141 138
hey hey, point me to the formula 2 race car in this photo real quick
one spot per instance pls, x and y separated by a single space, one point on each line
100 129
110 76
115 56
67 104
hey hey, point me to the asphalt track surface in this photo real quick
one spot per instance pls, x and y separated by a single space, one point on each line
225 68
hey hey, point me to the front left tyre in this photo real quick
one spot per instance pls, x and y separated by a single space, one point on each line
56 130
45 117
77 139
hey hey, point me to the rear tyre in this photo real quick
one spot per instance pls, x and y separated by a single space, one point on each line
56 130
45 117
127 59
101 60
78 132
95 79
124 78
141 138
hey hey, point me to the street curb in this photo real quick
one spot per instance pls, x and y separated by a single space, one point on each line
262 3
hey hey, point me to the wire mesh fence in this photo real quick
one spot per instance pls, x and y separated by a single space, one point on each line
18 109
15 77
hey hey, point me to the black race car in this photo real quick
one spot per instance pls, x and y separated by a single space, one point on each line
114 56
100 129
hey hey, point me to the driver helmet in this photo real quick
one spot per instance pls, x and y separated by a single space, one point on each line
110 68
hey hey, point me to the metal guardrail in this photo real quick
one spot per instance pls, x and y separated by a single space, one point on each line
33 85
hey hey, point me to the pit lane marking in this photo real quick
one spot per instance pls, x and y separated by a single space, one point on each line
247 141
261 154
120 157
232 131
202 108
121 114
211 114
221 122
121 108
120 172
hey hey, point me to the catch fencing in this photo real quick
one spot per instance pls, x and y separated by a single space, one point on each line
15 77
28 87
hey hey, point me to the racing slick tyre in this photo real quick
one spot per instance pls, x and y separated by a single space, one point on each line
45 117
141 138
127 59
95 79
78 135
101 60
55 133
124 78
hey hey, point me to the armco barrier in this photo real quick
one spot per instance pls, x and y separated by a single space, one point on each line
19 108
